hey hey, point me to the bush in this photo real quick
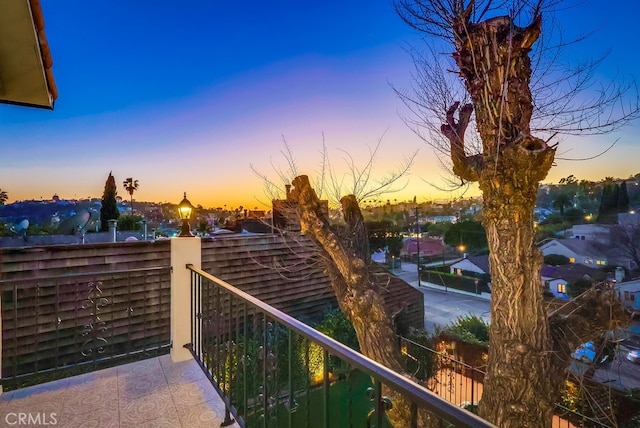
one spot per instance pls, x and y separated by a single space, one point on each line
338 327
556 260
471 329
129 222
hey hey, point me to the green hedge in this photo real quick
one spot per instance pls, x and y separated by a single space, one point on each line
459 282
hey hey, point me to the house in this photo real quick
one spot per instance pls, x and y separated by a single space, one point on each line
629 294
477 264
591 232
580 251
427 246
557 278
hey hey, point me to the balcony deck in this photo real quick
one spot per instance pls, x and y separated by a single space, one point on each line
151 393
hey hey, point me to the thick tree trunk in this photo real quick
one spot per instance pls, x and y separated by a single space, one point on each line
346 260
521 385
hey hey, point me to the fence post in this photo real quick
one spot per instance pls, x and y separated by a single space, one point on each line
183 251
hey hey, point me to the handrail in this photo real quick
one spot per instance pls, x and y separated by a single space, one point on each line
396 381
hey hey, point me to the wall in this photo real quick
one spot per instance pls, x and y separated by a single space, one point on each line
45 289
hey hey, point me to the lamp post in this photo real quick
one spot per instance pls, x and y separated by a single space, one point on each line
184 211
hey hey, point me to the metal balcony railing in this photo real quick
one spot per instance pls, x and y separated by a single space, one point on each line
58 326
272 370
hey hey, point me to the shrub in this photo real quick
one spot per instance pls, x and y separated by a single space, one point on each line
556 260
338 327
471 329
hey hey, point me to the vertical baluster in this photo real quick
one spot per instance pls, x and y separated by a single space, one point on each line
291 400
37 327
307 381
325 386
229 348
245 358
58 321
414 415
15 332
198 302
129 345
263 356
192 310
218 328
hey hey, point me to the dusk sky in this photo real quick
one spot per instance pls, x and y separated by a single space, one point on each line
185 96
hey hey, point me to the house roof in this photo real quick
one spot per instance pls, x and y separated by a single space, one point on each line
570 273
482 262
25 76
578 246
428 246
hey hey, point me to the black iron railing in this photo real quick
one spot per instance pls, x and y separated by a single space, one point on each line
271 370
58 326
462 384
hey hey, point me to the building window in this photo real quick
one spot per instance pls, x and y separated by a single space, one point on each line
588 261
601 262
572 259
562 288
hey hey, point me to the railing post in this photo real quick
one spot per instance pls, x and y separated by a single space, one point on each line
183 251
1 386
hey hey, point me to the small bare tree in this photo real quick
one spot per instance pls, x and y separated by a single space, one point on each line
494 57
343 250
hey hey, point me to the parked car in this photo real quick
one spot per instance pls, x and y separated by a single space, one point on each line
589 353
585 353
634 356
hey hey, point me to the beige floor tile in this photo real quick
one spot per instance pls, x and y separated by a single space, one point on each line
183 372
130 387
150 365
5 397
44 389
101 418
203 415
189 394
154 393
91 400
34 405
146 409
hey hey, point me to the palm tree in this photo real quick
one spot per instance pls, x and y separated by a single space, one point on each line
131 186
3 197
563 201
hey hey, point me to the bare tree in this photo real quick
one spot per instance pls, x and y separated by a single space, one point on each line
343 249
3 197
493 44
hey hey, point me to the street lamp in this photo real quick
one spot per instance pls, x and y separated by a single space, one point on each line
184 211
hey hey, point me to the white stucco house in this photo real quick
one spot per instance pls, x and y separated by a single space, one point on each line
629 294
557 279
478 264
580 251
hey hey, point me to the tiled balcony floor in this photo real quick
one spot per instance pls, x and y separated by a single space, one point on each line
151 393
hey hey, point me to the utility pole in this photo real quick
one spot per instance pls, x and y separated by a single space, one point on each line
417 239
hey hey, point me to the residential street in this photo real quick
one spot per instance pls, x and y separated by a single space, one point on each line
443 307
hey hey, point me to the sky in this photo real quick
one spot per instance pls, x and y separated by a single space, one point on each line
186 97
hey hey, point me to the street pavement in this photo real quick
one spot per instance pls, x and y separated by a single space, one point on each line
443 307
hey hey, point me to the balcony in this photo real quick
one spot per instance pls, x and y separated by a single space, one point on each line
154 392
233 358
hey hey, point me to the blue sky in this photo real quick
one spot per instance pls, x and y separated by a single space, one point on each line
184 97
